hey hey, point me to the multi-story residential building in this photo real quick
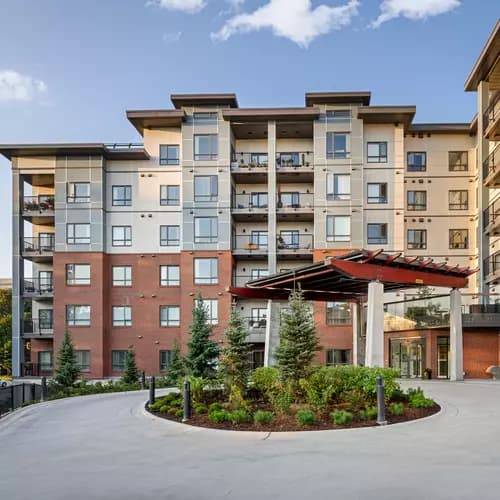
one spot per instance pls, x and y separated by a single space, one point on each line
114 242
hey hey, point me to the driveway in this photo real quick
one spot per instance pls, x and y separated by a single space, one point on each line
105 447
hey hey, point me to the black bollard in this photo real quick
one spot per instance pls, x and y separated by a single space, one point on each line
44 389
187 401
143 380
380 401
152 391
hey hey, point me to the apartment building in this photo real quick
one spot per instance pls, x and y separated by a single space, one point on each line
113 242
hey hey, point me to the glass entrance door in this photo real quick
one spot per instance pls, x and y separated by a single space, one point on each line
408 356
443 353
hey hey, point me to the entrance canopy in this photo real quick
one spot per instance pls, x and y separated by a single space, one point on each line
346 277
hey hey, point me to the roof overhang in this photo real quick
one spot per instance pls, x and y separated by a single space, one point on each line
247 115
388 114
160 118
180 100
361 98
441 128
487 64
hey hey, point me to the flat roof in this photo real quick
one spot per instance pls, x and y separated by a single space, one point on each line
486 61
264 114
356 97
155 118
441 128
179 100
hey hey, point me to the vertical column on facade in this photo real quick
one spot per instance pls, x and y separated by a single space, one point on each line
355 307
17 271
456 336
375 325
272 325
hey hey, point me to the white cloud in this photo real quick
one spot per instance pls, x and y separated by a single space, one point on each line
188 6
169 38
296 20
413 9
17 87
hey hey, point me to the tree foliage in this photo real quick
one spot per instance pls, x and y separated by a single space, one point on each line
67 370
131 373
5 331
177 368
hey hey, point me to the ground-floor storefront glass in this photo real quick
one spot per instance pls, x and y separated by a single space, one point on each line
408 356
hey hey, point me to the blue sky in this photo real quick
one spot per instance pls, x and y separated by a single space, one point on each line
70 69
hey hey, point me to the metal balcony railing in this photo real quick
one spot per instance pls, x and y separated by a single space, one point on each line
491 265
255 323
492 213
290 241
253 243
492 111
492 163
249 160
42 203
39 245
38 287
250 201
35 327
295 200
294 160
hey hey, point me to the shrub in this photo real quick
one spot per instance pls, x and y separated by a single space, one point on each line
397 409
239 417
417 399
179 413
369 413
305 417
164 409
200 409
197 385
282 398
131 373
214 407
263 417
318 388
157 405
341 417
265 379
171 396
218 416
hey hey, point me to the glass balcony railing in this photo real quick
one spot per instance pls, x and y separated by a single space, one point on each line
256 242
38 287
35 327
249 160
492 214
291 241
295 200
294 160
491 265
40 204
250 201
492 112
39 245
491 165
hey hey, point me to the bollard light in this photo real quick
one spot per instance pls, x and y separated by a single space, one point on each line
187 401
380 401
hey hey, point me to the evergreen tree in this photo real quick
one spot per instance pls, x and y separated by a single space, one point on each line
177 368
235 364
131 373
67 370
202 352
298 340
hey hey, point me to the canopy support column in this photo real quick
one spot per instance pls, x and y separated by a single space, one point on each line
375 325
456 336
272 332
356 330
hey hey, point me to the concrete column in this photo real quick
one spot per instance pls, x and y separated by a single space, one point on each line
271 196
456 336
375 325
356 330
272 332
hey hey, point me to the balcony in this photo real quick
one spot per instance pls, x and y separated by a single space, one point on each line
295 167
39 249
294 245
295 206
250 207
39 209
491 119
34 328
38 288
491 169
256 330
491 268
492 218
250 246
481 316
249 168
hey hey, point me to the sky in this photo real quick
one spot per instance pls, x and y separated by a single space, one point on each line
69 69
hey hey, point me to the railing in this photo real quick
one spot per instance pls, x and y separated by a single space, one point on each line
35 370
124 145
295 200
38 287
294 160
491 265
38 204
255 323
249 160
252 200
17 395
252 243
291 242
492 213
492 112
490 165
35 327
39 245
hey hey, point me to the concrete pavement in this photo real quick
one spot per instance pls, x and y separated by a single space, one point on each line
105 447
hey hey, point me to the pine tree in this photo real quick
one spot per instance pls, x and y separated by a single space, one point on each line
131 373
235 364
298 340
67 370
202 352
177 368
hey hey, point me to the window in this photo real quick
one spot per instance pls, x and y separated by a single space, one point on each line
416 200
170 276
459 238
338 115
337 145
77 274
212 308
377 192
118 359
45 281
122 236
170 316
289 200
169 154
258 318
376 152
338 313
416 162
259 239
288 239
205 188
205 147
205 229
416 239
77 315
206 271
165 360
258 200
122 275
46 242
338 228
77 234
338 187
122 196
83 360
458 161
338 357
170 236
169 195
122 316
377 233
45 320
255 274
45 361
205 118
78 192
458 200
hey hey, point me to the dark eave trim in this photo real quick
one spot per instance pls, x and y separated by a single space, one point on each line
359 97
264 114
155 118
180 100
441 128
